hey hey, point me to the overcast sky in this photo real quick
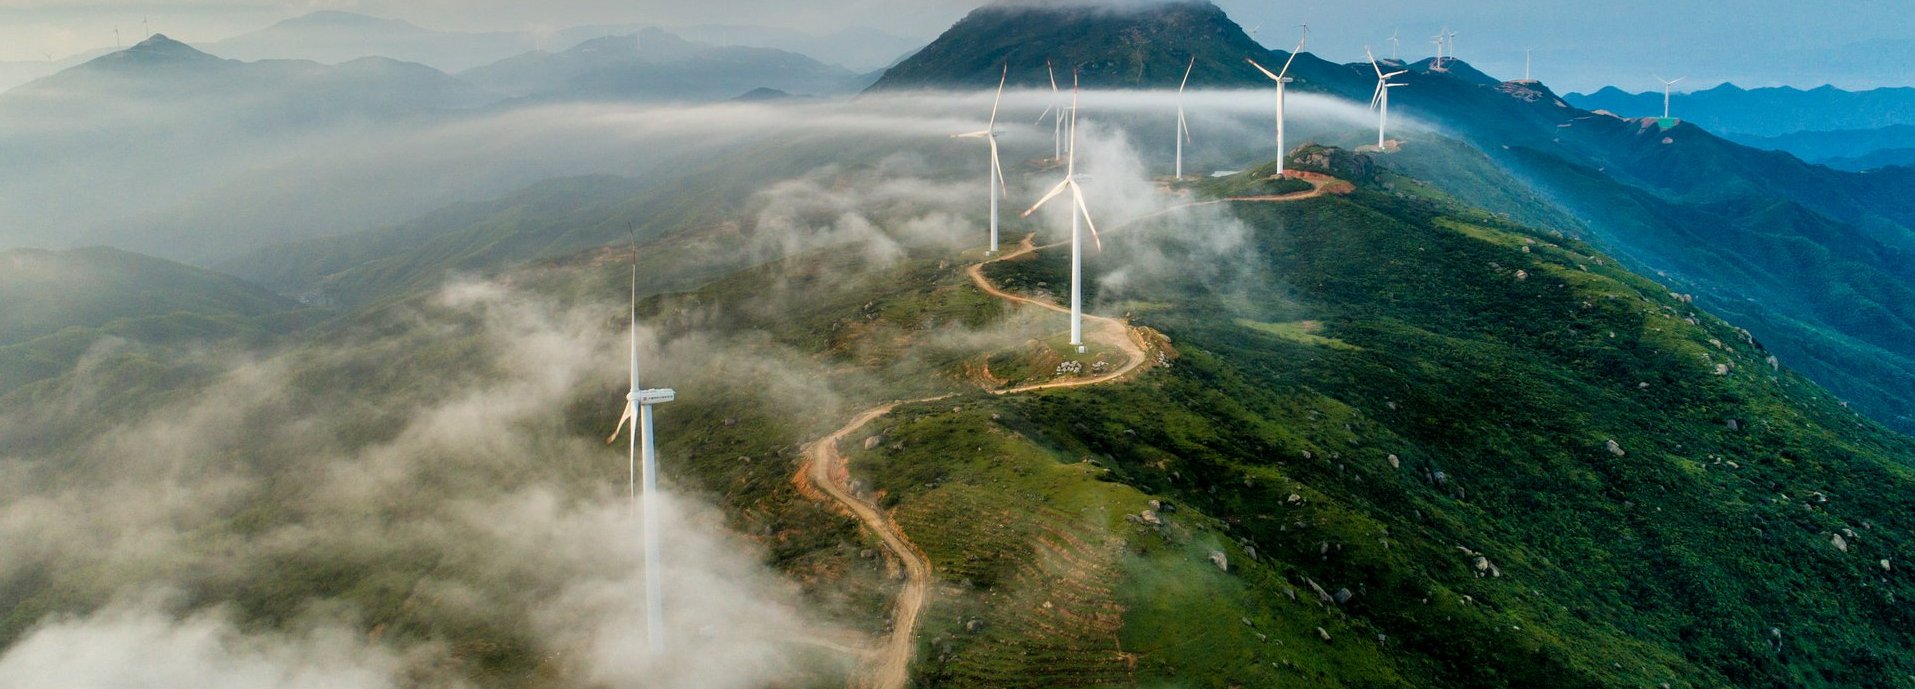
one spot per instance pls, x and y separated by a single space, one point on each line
1579 43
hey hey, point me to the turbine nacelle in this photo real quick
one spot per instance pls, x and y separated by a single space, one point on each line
653 396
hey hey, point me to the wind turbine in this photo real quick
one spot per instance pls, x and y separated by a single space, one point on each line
1527 55
644 465
1449 43
1437 62
1057 116
1393 44
1282 78
1380 101
1078 210
989 135
1183 129
1666 84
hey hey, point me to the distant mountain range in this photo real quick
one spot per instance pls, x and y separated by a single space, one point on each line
656 65
1849 149
1732 110
333 37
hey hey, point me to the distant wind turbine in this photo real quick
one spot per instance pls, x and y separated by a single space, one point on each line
1283 80
1393 43
1078 211
1183 128
1666 84
1527 55
644 465
989 135
1380 101
1056 111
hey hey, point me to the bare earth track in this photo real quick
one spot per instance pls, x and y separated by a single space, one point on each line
826 469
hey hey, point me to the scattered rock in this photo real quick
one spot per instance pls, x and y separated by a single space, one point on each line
1307 455
1344 596
974 625
1321 594
1220 560
1395 463
1885 566
867 554
873 441
1522 275
1324 634
1150 517
1774 363
1840 543
1615 448
1722 369
1735 425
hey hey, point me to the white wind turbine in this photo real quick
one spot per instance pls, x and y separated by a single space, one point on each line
1056 111
1283 79
989 135
1380 101
1079 212
644 465
1394 43
1183 129
1666 85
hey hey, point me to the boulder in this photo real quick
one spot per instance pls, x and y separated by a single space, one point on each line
1220 560
1395 463
1615 448
1839 542
1325 635
873 441
1344 596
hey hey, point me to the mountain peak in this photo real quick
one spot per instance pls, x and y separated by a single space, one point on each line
157 49
1127 44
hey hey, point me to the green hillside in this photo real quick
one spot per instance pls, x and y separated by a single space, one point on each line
57 305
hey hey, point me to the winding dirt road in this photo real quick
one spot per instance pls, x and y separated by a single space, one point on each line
828 470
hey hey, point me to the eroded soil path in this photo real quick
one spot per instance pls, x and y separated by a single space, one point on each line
828 471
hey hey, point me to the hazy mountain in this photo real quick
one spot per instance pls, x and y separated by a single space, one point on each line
1849 149
161 121
859 49
1730 109
61 304
333 37
657 66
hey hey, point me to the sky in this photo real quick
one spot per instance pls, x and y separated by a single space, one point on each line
1579 44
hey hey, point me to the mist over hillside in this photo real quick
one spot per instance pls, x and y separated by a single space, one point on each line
1528 395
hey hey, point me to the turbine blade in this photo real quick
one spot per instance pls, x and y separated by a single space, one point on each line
622 418
1187 68
1040 116
1396 73
1053 73
1000 96
1059 189
996 168
971 135
1078 196
1253 63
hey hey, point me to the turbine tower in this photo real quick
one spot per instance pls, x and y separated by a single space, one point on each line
1079 212
644 466
1282 78
989 135
1380 101
1666 84
1183 129
1527 55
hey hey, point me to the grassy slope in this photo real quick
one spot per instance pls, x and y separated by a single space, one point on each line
1665 564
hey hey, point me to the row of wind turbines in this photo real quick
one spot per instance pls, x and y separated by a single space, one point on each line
1064 132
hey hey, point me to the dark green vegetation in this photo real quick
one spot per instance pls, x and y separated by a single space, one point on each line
1403 386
